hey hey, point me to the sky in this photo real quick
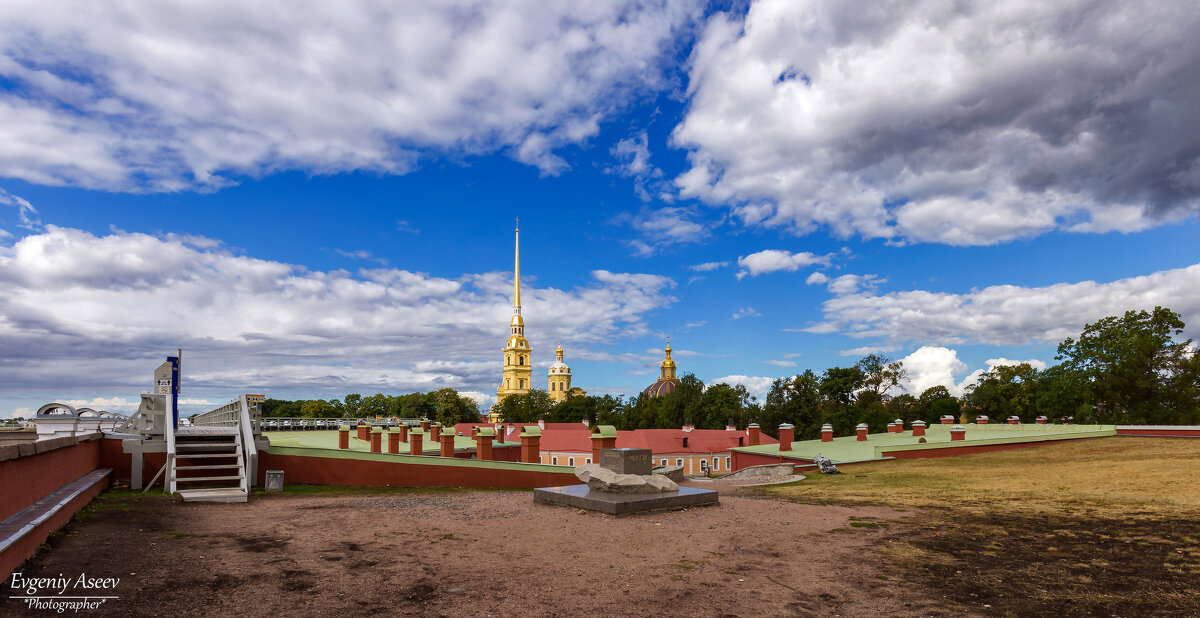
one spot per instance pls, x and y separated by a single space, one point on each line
318 200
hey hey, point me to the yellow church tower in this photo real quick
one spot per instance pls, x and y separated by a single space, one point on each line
559 377
518 355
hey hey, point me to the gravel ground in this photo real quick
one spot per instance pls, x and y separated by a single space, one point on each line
484 553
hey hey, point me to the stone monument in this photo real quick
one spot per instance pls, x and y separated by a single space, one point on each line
622 483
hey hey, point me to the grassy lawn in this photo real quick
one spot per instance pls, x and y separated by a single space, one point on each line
1106 526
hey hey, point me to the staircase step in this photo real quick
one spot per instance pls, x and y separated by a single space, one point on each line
217 467
205 455
220 494
179 445
197 479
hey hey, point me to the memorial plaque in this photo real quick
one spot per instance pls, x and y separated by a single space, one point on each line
626 460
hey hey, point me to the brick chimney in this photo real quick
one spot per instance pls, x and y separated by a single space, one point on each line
861 430
447 444
787 433
1041 420
344 437
827 433
415 437
394 440
982 419
603 436
530 444
947 419
958 432
755 433
918 428
1014 420
483 442
377 439
364 430
899 424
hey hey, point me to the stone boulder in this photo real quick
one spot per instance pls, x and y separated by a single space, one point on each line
675 473
604 480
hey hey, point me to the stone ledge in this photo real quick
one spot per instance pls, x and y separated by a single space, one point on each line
580 496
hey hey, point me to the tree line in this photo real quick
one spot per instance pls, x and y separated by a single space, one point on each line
1128 369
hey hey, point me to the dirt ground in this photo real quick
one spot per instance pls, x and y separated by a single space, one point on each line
490 553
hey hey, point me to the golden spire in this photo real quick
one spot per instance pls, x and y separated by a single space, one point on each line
517 270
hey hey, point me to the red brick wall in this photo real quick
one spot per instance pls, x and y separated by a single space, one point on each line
369 473
27 546
111 456
1188 432
27 479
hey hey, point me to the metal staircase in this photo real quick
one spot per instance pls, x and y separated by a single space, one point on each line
209 465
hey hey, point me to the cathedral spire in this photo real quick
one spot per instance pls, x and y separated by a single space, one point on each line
517 270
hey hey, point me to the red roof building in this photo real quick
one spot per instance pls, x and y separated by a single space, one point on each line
699 451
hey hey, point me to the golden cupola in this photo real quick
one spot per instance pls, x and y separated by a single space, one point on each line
558 377
667 381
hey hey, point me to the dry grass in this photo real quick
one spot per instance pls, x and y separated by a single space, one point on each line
1104 476
1106 526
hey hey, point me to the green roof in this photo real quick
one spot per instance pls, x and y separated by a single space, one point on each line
848 449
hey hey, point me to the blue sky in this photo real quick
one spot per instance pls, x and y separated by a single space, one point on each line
316 203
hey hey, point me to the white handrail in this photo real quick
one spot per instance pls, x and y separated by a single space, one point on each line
246 430
169 432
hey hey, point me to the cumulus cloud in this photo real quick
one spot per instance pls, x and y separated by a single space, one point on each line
756 385
931 366
664 227
105 309
707 266
745 312
177 96
968 123
780 363
1009 315
772 260
817 278
633 160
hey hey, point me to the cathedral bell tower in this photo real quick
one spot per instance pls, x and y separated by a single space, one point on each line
518 364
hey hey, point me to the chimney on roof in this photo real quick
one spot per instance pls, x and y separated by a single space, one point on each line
541 423
754 433
586 423
729 425
827 432
786 433
861 430
688 427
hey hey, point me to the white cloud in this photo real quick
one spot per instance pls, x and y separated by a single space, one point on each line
23 413
931 366
1009 315
780 363
867 349
745 312
757 385
817 278
665 227
174 96
361 254
707 266
849 284
1004 362
26 213
104 310
633 160
965 123
772 260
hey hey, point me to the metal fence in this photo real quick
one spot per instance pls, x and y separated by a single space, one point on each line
309 424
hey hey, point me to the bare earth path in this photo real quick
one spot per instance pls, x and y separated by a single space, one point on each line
482 553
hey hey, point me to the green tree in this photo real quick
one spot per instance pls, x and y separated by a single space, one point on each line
1135 370
880 375
795 400
525 408
316 408
1003 391
351 404
935 403
837 387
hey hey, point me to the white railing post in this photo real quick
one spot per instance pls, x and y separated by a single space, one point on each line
169 431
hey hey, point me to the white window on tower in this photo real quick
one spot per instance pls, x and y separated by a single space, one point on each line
726 463
716 463
703 465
